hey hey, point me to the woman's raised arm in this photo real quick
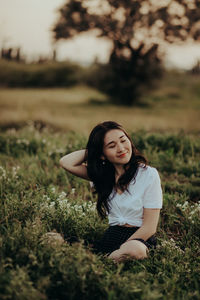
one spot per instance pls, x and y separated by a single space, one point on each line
74 163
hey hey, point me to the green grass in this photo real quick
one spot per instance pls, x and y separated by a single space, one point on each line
38 196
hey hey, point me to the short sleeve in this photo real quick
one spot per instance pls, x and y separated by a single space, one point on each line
153 194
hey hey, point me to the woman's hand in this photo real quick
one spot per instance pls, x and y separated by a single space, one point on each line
75 163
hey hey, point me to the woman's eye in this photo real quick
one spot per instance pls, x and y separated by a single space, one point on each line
112 146
123 141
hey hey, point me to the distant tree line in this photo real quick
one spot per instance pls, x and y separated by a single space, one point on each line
46 74
59 74
196 69
13 54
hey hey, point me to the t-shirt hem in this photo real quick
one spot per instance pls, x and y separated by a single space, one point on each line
114 224
153 207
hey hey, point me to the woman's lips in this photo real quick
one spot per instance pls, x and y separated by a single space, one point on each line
122 155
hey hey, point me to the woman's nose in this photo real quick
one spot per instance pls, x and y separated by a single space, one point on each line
120 148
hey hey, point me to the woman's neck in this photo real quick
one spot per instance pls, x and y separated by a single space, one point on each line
119 171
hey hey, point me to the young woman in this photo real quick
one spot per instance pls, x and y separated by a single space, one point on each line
129 191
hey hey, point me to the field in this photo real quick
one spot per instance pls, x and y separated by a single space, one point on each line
38 196
174 105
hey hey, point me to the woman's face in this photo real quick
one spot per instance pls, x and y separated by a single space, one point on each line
117 147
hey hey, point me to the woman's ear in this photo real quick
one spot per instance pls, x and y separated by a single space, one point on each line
103 157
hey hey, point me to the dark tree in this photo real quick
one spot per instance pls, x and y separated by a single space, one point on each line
139 31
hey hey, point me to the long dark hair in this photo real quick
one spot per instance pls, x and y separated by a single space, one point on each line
102 173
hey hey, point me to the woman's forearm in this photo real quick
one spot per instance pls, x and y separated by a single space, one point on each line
144 232
73 163
75 158
149 226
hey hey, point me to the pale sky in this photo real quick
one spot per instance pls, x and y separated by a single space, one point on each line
27 24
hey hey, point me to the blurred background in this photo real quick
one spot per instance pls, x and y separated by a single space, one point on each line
71 64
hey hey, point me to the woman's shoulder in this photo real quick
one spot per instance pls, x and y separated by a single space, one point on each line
147 172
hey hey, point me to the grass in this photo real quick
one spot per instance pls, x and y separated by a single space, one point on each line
173 105
37 196
38 126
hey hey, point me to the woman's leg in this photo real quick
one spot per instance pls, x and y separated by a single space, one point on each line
131 249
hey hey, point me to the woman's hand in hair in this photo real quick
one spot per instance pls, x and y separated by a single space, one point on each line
75 163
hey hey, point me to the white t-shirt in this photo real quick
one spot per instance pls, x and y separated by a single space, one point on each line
143 192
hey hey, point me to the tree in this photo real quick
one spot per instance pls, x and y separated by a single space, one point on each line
139 31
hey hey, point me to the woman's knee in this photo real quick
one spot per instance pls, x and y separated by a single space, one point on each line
135 249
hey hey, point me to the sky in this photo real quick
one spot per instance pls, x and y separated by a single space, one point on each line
28 24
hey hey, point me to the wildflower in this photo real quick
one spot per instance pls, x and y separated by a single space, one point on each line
2 173
185 205
22 141
53 189
26 142
52 204
62 195
73 191
45 197
14 171
171 244
64 204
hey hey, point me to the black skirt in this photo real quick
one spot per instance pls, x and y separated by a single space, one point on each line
116 235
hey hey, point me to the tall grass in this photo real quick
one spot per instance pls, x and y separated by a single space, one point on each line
37 196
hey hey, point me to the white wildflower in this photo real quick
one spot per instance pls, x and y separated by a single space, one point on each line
73 191
52 204
192 210
2 173
64 204
91 184
45 197
53 189
77 207
14 171
26 142
171 244
23 141
185 205
44 206
62 196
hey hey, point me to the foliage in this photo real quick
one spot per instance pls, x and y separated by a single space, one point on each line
37 196
138 32
13 74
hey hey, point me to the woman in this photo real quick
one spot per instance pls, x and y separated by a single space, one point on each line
129 191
